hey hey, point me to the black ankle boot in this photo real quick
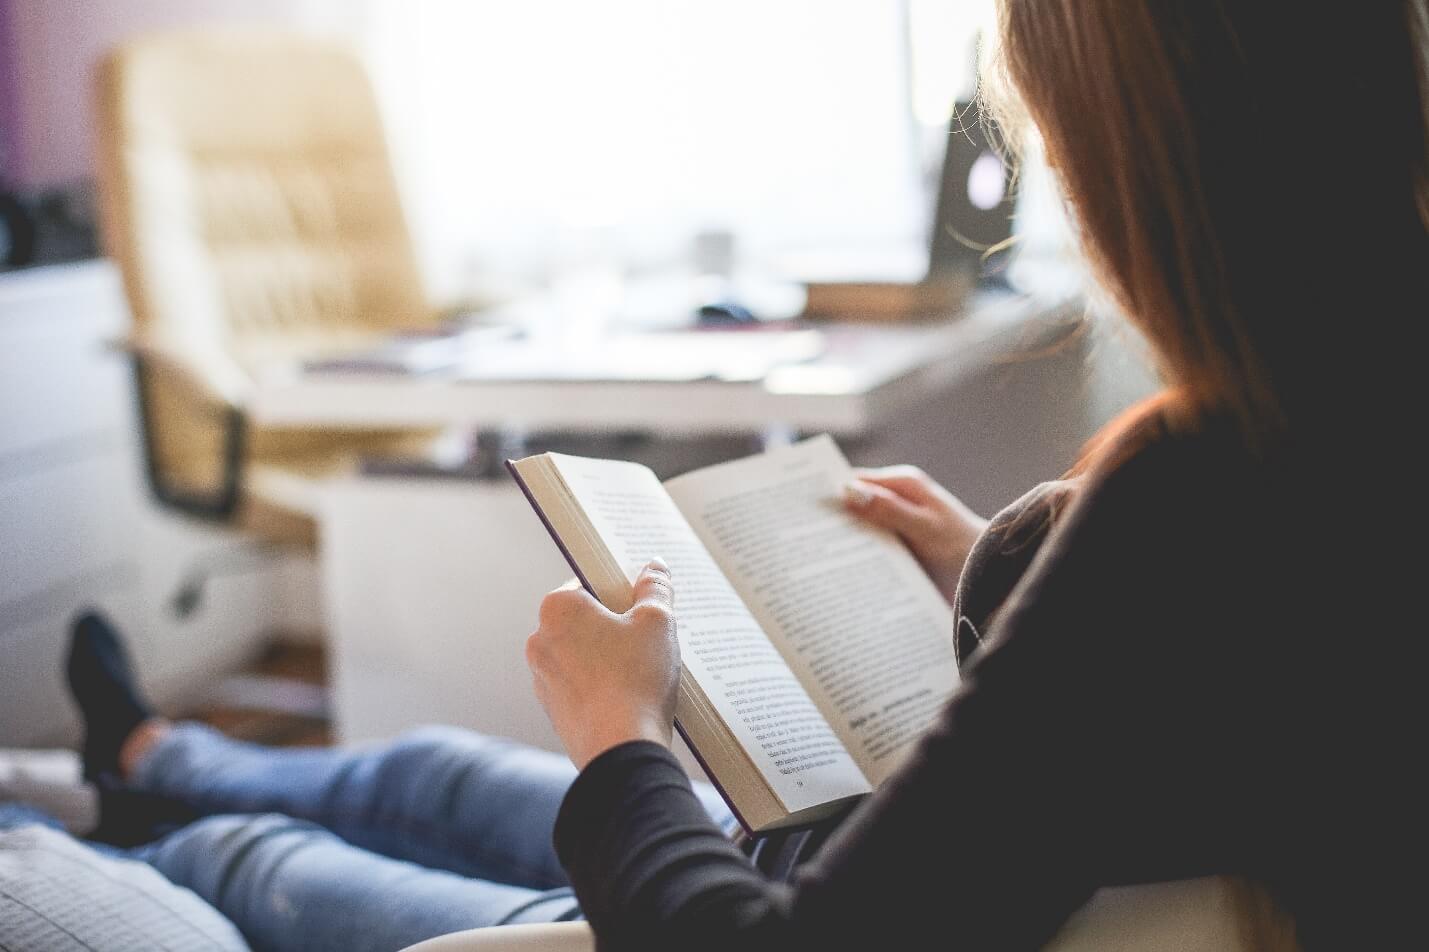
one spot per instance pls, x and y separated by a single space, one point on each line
102 683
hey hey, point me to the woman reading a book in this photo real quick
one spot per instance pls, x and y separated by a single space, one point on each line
1188 659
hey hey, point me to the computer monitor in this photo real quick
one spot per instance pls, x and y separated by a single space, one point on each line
975 201
972 217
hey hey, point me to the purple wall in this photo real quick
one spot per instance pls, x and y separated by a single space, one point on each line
48 50
9 104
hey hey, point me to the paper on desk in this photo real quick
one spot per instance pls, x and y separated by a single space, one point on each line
669 357
409 354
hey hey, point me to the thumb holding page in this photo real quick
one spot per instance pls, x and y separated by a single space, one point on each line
654 591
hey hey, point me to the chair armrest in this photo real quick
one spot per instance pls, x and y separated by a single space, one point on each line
1192 915
1188 915
536 937
217 385
211 376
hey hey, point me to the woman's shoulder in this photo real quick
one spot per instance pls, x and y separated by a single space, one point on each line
1173 522
1196 478
1001 556
1157 503
1156 570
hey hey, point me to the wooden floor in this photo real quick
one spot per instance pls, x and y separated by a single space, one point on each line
280 701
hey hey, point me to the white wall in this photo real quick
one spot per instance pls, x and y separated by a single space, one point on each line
77 526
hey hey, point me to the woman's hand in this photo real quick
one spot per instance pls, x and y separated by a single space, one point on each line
604 678
934 523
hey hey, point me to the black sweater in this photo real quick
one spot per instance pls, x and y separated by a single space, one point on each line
1164 693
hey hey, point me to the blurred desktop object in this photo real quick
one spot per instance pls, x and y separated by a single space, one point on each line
49 225
966 247
248 198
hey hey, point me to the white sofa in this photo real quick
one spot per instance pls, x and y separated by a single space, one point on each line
1192 915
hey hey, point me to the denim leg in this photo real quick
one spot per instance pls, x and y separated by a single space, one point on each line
439 796
290 884
14 815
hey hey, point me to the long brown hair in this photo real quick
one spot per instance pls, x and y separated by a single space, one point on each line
1250 182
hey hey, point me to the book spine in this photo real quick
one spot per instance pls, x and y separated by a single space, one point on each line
724 795
550 529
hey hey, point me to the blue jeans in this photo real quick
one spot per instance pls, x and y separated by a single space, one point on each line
375 848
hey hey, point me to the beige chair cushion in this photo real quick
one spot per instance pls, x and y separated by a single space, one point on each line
250 190
248 197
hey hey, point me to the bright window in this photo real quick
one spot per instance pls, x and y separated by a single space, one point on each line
523 129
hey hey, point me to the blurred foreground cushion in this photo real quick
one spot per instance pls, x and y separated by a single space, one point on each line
58 894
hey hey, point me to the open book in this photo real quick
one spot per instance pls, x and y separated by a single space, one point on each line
814 648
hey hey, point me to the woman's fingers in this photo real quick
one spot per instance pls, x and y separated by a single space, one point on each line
567 611
605 678
561 603
654 592
910 482
938 528
887 508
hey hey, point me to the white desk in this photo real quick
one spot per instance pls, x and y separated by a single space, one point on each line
430 587
867 374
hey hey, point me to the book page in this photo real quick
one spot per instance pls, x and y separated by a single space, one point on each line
721 644
854 614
